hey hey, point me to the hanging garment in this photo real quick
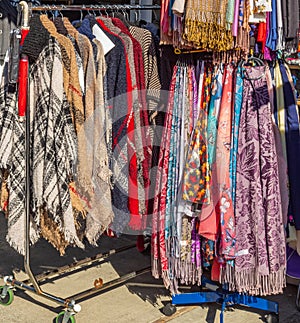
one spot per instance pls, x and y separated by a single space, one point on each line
159 261
136 198
290 17
115 89
280 107
53 163
8 22
195 176
207 28
282 162
221 168
94 217
260 240
292 143
238 99
272 35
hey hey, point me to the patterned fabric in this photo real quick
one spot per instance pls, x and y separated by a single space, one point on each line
54 143
208 252
213 115
16 186
8 112
196 168
260 259
222 178
238 99
158 246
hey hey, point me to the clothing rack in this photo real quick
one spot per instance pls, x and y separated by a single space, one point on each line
96 7
32 283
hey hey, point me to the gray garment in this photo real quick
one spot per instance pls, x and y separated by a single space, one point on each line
290 16
8 21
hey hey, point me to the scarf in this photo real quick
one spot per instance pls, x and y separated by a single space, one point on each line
238 99
159 259
53 142
272 35
290 17
292 142
224 202
205 25
260 239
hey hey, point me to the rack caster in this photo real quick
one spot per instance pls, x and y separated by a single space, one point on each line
6 295
65 317
272 318
169 309
298 299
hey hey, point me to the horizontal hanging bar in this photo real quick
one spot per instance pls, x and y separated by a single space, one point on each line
94 7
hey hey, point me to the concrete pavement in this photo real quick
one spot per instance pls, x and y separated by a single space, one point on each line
133 302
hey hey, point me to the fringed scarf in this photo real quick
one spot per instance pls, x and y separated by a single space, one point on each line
205 25
100 214
158 243
53 140
238 99
16 187
260 240
221 167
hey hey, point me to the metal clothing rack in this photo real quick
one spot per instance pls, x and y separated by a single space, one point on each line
95 7
32 283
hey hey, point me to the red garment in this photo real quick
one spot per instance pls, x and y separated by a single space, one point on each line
262 34
158 243
133 202
140 82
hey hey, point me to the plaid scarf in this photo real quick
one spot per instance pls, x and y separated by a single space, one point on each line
53 141
53 154
7 117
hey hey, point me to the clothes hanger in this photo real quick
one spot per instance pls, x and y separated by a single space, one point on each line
252 61
99 11
178 51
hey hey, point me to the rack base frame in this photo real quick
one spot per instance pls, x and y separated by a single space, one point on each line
71 307
227 300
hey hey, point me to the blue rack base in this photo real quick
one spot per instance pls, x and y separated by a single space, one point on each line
227 299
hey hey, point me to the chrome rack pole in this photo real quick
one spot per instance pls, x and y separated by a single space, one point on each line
28 271
93 7
69 304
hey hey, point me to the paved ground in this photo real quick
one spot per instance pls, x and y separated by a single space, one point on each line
132 302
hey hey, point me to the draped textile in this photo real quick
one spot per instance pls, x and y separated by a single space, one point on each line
222 179
238 99
260 240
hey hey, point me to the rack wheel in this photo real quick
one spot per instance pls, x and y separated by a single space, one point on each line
272 318
60 317
169 309
298 299
8 298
